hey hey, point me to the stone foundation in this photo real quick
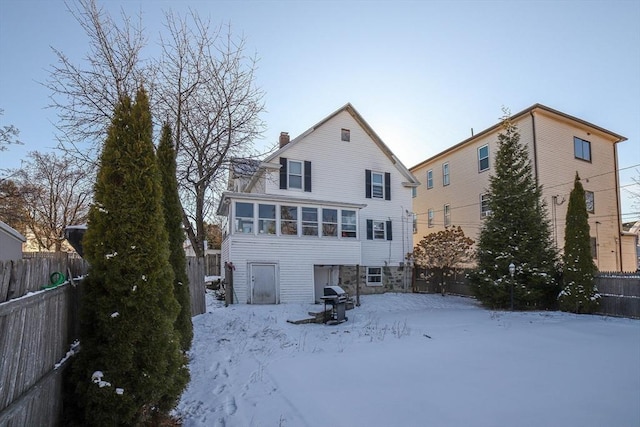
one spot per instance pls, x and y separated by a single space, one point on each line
394 279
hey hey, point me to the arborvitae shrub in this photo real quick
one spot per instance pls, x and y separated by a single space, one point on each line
173 221
579 294
130 366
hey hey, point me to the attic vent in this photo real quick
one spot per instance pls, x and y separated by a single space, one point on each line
284 139
346 135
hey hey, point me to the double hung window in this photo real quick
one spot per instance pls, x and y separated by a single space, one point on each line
483 158
329 222
289 220
244 217
267 219
349 224
310 222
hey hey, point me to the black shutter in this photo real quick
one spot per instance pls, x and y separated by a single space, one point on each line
283 173
389 231
367 183
387 186
369 229
307 176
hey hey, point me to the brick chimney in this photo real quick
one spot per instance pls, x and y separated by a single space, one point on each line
284 139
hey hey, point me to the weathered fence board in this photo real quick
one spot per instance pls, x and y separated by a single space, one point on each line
620 292
32 273
35 333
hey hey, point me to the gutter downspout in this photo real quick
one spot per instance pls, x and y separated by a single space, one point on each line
535 147
618 216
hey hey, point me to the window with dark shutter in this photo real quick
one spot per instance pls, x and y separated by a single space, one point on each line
369 229
367 183
307 176
283 173
387 186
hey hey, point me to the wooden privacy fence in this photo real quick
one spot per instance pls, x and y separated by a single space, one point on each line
30 274
37 331
620 292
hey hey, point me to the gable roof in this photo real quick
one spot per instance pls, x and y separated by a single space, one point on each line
411 180
517 116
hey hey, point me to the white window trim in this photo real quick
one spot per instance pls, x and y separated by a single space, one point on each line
446 174
342 225
369 274
336 224
430 178
236 230
290 174
486 213
430 217
384 229
482 158
373 196
447 215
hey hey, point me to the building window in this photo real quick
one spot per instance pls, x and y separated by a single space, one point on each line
415 223
414 192
379 230
349 224
244 217
329 222
483 158
484 205
581 149
447 216
594 248
445 174
374 276
267 219
345 135
289 220
430 178
310 222
295 174
589 199
430 218
377 185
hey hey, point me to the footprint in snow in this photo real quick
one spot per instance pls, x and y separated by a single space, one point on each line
230 407
219 389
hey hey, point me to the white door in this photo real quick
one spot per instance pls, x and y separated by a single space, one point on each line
263 284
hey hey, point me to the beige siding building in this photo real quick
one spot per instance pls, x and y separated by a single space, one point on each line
455 182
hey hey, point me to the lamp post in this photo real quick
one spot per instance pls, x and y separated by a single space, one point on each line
512 270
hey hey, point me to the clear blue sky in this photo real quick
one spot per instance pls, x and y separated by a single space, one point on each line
422 73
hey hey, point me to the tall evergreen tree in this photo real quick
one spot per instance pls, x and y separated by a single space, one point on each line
130 367
579 294
173 222
517 231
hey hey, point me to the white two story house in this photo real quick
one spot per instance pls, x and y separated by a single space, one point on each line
328 204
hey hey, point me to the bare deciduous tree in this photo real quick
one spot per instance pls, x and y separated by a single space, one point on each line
206 87
8 134
56 194
86 96
203 84
443 251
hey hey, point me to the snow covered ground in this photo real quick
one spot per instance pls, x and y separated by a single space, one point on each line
411 360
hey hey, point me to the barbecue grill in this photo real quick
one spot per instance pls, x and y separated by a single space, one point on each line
335 297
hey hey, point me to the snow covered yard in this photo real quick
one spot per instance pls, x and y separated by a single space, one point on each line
411 360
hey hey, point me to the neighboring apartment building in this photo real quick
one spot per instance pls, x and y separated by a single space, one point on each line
455 182
327 204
